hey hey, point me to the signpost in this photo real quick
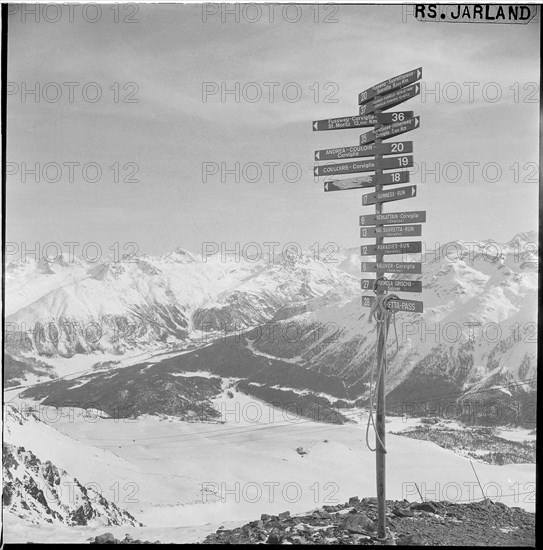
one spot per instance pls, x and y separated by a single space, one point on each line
411 247
392 267
405 161
391 231
353 151
366 181
397 128
397 194
392 285
357 121
412 306
394 218
380 225
391 84
390 100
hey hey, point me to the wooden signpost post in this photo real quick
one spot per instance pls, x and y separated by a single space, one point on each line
381 225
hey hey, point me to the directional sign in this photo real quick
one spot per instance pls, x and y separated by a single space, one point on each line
410 306
392 267
391 118
392 195
418 216
388 163
390 100
345 168
411 247
355 121
405 161
397 128
368 137
366 181
392 285
392 130
391 84
391 231
353 151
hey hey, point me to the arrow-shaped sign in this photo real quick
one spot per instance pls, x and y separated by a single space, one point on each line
391 118
353 151
397 128
355 121
345 168
411 247
408 306
388 163
386 132
392 285
347 152
391 84
391 231
390 100
418 216
392 267
392 195
366 181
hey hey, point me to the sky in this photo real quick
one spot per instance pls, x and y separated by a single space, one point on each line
153 124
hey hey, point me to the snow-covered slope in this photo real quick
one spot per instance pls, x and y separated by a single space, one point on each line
38 491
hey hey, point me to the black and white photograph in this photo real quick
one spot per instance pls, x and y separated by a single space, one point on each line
270 273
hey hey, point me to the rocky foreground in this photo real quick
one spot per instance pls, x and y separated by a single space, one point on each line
483 523
417 524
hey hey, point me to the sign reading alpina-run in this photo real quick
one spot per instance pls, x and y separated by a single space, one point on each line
366 181
390 85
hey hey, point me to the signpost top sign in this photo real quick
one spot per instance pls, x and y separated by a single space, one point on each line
390 85
389 100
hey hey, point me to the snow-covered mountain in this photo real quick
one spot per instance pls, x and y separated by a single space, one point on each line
61 308
477 333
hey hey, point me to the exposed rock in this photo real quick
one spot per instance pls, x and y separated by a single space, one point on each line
424 506
482 523
106 538
276 536
358 523
411 540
